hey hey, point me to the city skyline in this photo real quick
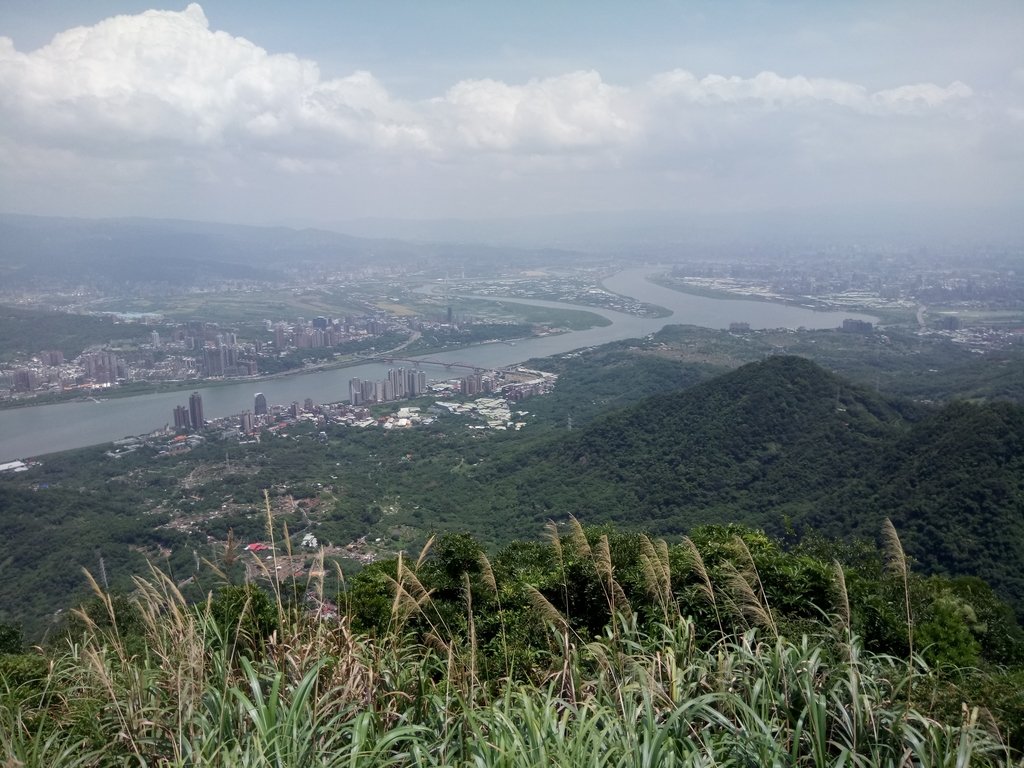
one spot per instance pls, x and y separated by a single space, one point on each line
243 112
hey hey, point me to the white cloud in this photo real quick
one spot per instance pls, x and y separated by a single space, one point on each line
568 112
921 96
161 90
772 90
165 78
156 76
766 88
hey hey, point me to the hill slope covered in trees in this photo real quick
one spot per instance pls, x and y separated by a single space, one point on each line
786 446
781 445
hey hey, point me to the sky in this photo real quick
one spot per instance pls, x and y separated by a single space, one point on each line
317 112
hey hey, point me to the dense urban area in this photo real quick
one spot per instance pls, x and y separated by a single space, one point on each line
981 309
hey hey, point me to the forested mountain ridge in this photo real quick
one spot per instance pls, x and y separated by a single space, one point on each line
755 430
787 446
954 484
769 435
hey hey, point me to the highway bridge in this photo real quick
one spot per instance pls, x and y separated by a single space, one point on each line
417 363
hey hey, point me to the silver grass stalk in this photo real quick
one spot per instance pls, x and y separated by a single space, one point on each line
896 561
424 552
705 586
579 536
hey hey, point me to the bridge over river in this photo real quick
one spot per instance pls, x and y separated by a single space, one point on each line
388 360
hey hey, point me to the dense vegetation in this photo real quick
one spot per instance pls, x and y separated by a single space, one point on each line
590 647
805 645
780 445
28 331
896 363
783 445
448 338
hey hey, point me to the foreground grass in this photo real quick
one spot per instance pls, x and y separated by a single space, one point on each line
186 686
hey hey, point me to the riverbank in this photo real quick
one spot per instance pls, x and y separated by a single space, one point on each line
35 431
886 315
139 388
680 286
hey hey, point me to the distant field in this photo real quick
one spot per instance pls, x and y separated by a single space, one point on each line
238 307
885 315
255 306
573 319
24 332
992 317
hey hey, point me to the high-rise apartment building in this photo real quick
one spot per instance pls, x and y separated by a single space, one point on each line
195 411
24 380
103 367
397 384
416 383
213 361
182 420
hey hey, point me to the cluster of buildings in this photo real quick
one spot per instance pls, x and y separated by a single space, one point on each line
400 384
190 418
876 279
194 350
493 412
959 299
49 370
514 384
325 332
198 350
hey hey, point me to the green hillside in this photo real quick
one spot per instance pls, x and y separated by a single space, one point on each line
780 444
766 440
784 445
954 484
25 332
769 435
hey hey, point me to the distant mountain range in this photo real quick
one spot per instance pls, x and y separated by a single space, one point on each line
40 248
761 234
45 249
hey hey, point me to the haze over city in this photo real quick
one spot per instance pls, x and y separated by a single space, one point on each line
322 114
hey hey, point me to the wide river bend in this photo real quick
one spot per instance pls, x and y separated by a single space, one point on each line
33 431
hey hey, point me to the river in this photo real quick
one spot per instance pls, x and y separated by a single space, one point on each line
34 431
